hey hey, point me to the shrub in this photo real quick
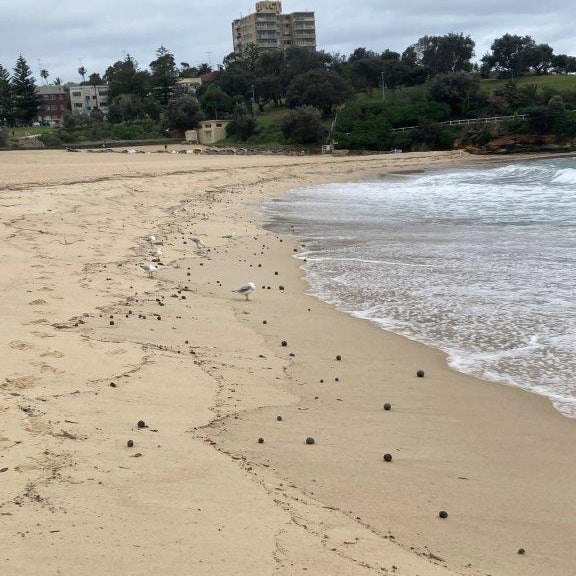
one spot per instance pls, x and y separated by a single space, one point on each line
303 126
433 136
243 124
50 140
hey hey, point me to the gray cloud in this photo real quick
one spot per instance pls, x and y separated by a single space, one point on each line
64 34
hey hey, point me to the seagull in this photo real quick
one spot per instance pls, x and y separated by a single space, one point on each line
198 242
156 253
246 289
148 267
150 239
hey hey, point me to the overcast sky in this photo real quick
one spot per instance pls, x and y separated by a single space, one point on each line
62 35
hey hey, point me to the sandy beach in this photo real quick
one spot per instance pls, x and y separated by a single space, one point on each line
91 346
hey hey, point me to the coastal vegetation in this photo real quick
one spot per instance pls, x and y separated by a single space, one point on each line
364 101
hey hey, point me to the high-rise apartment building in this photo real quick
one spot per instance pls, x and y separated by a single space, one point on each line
269 29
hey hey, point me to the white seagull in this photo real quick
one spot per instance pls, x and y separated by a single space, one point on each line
156 253
148 267
246 289
198 242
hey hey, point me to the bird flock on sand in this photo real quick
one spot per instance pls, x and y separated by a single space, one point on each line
156 253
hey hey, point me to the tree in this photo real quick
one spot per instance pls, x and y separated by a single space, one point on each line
124 77
24 92
243 124
301 60
95 79
537 120
58 81
460 91
541 58
563 64
268 89
215 102
6 108
182 113
365 72
187 71
319 88
164 74
125 108
511 55
44 75
560 121
364 125
303 125
82 71
445 54
237 83
203 68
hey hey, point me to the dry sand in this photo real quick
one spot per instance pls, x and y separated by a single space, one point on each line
89 346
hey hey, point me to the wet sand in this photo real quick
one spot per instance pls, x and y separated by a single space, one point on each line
90 346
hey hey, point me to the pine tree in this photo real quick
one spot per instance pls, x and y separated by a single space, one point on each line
6 111
24 93
164 75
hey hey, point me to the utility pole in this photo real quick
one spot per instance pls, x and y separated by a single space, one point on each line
382 80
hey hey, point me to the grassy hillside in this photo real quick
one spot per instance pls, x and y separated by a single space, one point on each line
560 83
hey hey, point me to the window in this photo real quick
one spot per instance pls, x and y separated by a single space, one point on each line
76 93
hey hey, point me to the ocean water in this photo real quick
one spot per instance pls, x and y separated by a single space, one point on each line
479 262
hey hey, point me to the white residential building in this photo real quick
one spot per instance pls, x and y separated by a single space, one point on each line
84 99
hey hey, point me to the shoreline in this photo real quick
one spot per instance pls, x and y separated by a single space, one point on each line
209 378
276 224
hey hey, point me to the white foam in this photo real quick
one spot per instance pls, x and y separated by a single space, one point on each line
480 263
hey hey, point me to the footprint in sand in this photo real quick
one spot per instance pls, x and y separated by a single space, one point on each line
116 351
19 345
47 368
19 382
52 354
36 426
40 321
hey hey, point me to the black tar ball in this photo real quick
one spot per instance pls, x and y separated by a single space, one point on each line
310 440
260 440
130 443
387 457
338 357
284 343
279 418
111 322
387 406
141 424
443 514
420 373
521 551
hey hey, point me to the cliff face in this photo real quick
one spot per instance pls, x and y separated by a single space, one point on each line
514 143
